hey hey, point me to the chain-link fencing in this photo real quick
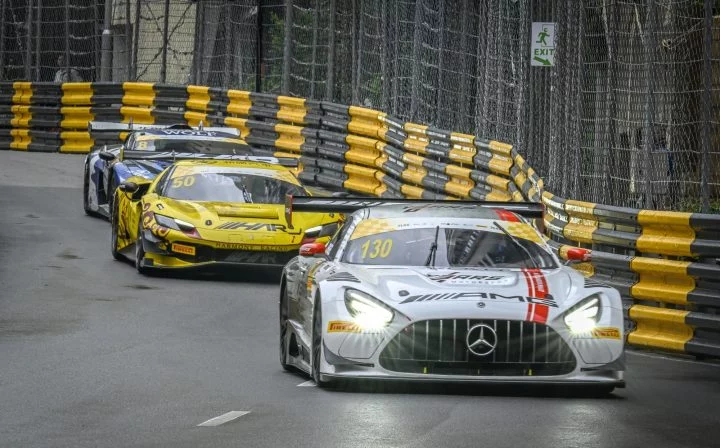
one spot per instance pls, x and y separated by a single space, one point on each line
627 115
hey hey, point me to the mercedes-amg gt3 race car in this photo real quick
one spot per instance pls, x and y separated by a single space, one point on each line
147 151
445 291
214 212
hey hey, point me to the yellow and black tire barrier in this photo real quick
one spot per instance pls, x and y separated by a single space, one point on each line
662 262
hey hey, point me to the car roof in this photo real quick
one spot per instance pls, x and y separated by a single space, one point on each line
433 211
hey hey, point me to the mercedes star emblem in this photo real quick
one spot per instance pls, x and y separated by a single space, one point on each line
481 339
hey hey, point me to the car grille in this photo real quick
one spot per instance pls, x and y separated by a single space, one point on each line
254 257
439 347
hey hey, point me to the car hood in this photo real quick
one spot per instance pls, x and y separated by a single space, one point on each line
453 292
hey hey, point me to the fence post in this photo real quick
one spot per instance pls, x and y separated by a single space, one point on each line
136 40
68 74
38 33
384 57
258 49
314 49
707 108
647 135
106 43
330 78
287 47
28 41
228 46
441 44
353 65
128 42
2 39
416 57
166 29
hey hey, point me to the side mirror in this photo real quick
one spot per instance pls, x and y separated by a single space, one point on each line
312 249
128 187
578 254
106 156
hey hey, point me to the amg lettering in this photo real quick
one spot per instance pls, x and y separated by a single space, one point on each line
441 278
472 295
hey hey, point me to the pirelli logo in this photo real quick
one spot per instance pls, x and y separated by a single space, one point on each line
606 333
183 249
339 326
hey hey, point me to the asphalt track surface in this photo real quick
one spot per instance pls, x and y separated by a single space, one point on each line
93 354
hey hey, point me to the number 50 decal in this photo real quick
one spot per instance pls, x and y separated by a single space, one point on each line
180 182
376 248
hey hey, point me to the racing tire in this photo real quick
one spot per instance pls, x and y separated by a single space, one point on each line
317 345
110 194
86 193
140 252
114 234
283 331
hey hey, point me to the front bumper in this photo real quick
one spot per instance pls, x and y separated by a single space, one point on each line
159 255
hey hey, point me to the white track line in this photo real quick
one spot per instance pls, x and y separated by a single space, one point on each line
310 383
222 419
668 358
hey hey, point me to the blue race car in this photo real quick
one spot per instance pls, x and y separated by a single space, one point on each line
147 151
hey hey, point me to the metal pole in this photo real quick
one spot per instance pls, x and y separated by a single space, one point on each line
2 40
37 39
228 45
314 49
439 97
106 43
353 65
358 66
396 52
128 42
28 41
384 75
166 28
199 79
96 49
287 47
330 78
463 106
136 40
707 109
416 59
650 98
258 49
67 41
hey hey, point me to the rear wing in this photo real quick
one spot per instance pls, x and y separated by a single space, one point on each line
172 155
99 127
349 204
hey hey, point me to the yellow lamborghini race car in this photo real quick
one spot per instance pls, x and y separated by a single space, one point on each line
213 212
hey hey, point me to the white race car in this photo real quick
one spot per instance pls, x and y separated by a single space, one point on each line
445 291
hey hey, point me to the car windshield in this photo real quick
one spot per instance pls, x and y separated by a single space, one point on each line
230 187
195 146
455 247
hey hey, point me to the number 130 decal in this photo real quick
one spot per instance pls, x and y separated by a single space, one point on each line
376 248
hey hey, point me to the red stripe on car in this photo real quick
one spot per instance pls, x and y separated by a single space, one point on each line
505 215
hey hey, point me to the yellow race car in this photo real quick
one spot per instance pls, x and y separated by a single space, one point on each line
200 213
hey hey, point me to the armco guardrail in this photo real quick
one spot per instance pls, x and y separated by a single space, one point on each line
664 263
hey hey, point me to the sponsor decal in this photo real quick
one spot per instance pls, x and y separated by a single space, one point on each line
417 208
189 132
472 295
183 249
606 333
466 278
340 326
251 226
256 247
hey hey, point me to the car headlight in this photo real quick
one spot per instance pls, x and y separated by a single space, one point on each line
367 311
583 317
321 231
176 224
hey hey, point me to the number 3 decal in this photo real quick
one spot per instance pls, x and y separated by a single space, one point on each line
377 248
